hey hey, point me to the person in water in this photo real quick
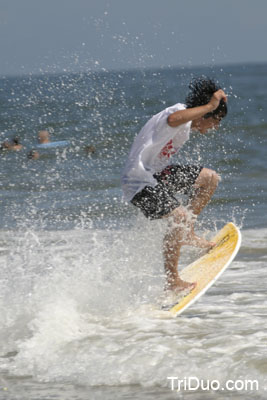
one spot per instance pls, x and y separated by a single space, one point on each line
150 182
33 155
43 137
14 145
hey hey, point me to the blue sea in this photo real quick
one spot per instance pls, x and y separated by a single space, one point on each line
82 271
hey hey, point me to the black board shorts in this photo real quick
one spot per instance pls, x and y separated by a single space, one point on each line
158 201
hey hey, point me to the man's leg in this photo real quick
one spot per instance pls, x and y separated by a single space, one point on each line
204 187
181 229
172 243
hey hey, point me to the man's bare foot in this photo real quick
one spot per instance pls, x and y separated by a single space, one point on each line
180 285
197 241
191 239
186 233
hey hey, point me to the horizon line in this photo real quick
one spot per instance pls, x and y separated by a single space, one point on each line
132 69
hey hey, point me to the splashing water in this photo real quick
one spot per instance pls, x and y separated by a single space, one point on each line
82 272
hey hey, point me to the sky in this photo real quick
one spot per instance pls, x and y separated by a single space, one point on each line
82 35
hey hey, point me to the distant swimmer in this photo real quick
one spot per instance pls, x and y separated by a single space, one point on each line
150 182
33 155
43 137
13 145
90 149
45 143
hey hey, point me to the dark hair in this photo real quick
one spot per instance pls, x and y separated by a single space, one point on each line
16 140
31 153
201 91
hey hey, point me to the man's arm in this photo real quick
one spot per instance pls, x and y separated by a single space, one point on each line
189 114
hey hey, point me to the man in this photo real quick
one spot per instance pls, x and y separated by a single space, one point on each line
150 182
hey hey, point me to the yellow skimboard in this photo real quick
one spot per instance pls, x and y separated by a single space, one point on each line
207 269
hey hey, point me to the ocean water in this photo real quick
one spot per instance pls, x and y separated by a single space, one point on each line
82 271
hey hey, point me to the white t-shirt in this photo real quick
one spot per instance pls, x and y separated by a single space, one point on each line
151 151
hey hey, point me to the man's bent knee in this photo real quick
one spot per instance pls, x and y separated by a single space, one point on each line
207 178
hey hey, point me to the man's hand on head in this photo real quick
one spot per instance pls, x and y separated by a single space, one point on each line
216 98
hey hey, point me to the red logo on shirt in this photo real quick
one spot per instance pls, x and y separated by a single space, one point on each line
167 150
